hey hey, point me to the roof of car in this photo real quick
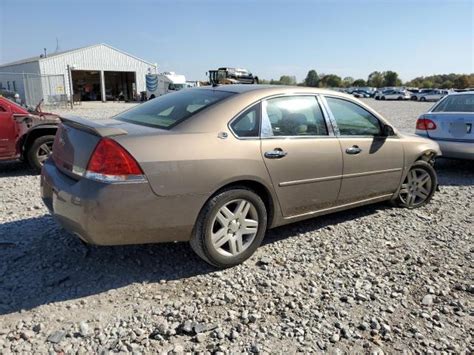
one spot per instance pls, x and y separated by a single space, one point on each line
271 89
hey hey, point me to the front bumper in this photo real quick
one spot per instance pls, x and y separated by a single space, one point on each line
116 214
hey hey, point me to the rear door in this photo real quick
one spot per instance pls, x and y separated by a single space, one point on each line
301 153
454 118
372 163
8 132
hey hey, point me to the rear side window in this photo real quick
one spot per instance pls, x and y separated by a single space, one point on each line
353 120
293 116
248 123
456 103
169 110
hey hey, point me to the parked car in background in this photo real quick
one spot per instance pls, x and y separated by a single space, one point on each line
430 95
450 123
25 135
392 94
11 95
361 93
215 166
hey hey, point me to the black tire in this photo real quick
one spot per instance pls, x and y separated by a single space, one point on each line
377 97
383 97
428 168
33 152
400 98
201 236
423 99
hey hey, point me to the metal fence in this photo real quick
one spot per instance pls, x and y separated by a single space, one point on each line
32 88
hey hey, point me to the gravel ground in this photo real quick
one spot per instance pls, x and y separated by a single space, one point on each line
371 280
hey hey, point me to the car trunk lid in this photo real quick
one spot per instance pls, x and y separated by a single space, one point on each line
455 126
77 138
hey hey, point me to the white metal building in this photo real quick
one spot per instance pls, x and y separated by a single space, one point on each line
97 73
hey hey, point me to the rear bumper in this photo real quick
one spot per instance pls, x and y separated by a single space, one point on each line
454 149
116 214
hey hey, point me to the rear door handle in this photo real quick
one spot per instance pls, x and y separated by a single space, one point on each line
276 153
353 150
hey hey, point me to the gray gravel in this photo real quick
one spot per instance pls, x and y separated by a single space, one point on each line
372 280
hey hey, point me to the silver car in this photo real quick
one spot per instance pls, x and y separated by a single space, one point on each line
449 123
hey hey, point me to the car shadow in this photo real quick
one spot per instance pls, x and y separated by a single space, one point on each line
41 263
453 172
15 168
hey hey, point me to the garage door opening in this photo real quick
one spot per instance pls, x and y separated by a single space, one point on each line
119 86
86 85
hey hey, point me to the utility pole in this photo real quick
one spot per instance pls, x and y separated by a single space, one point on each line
71 93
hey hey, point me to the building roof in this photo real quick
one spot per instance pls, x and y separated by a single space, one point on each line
41 58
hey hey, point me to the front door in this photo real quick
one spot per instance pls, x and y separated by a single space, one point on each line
372 163
7 133
302 155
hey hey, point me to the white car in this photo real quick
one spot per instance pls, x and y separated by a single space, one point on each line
431 95
392 94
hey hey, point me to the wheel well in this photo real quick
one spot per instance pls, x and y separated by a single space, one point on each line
427 156
34 134
259 189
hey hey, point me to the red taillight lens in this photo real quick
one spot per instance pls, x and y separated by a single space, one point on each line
110 158
425 124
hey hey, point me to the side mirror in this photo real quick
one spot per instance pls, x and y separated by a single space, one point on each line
387 131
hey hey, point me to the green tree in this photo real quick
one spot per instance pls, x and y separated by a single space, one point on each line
461 82
375 79
427 84
348 81
312 79
359 83
331 81
391 78
287 80
448 84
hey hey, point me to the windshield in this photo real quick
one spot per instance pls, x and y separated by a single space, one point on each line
456 103
176 87
169 110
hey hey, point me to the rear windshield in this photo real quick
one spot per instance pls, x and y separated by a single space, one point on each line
456 103
169 110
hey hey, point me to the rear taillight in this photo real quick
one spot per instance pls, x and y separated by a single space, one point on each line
425 124
110 162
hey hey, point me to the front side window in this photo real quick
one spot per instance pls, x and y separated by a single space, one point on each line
456 103
169 110
293 116
353 120
248 123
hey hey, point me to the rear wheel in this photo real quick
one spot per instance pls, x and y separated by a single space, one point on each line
383 97
423 98
40 150
418 187
230 227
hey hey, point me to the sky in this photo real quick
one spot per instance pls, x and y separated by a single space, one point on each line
270 38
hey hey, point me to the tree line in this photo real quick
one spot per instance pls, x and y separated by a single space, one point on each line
377 79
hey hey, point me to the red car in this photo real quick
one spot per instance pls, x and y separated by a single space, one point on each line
26 135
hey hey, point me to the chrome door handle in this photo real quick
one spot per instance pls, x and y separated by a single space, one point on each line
276 153
353 150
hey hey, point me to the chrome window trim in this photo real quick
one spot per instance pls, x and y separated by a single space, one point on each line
316 96
333 120
329 126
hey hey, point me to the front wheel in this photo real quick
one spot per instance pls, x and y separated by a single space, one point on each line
383 97
423 99
39 151
230 227
418 187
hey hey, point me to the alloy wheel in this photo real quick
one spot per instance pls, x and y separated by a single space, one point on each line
416 188
234 227
44 152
